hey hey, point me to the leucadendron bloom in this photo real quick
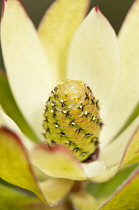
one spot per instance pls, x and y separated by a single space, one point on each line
75 84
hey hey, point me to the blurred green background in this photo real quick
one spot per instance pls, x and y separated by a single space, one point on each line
114 10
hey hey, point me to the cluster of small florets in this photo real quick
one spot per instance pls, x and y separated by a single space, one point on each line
72 119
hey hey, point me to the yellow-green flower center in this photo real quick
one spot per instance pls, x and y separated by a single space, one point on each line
72 119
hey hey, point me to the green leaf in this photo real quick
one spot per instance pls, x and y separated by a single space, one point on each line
11 199
103 190
15 166
9 105
126 197
131 154
131 118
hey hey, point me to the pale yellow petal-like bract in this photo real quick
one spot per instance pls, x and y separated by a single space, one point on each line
127 95
115 154
56 30
26 63
57 162
94 57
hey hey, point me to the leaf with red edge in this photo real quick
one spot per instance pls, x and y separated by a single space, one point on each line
14 163
12 199
132 151
127 196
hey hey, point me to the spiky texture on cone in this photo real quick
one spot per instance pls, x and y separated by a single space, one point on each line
72 119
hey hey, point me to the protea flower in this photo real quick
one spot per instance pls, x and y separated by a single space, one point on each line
57 76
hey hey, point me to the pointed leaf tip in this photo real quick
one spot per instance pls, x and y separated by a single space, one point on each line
97 8
3 7
87 49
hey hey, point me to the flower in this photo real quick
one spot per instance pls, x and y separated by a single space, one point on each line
85 50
